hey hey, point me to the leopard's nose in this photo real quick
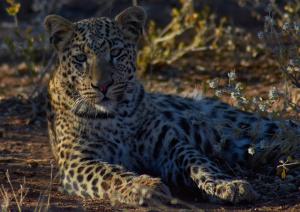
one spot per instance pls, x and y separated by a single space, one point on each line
103 87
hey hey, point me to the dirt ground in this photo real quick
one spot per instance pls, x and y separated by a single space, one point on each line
28 172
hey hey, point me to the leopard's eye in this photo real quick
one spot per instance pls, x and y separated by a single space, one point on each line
80 58
115 52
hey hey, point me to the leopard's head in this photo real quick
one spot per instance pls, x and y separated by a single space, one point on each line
97 58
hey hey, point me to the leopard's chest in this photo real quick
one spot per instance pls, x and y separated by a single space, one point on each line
113 133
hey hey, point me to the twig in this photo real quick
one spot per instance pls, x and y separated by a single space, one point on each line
43 73
181 54
23 188
284 165
39 206
171 36
50 187
12 188
134 2
5 199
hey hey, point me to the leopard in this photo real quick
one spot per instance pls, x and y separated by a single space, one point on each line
114 140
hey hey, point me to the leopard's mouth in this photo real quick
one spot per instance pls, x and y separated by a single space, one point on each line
103 101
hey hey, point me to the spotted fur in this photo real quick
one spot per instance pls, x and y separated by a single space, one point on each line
114 140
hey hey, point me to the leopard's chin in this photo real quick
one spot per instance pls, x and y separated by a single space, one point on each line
106 106
102 109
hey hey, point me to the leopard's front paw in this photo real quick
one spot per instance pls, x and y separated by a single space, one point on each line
234 191
148 191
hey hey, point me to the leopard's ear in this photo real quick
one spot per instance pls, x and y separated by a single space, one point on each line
132 21
60 30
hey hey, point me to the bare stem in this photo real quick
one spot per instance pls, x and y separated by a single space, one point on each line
14 193
134 2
